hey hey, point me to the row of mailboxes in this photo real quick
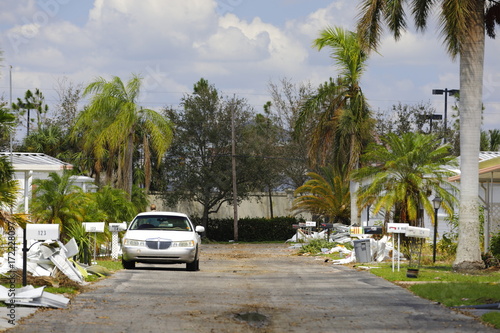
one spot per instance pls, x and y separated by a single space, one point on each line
51 231
392 228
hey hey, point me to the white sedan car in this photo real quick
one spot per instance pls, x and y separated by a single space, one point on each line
162 238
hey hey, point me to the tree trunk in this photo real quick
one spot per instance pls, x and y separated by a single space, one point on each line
270 194
128 167
471 87
204 219
355 220
147 164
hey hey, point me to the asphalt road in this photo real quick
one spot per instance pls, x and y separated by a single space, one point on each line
249 288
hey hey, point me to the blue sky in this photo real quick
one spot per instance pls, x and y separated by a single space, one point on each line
237 45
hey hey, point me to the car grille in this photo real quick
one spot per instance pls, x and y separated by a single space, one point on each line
158 243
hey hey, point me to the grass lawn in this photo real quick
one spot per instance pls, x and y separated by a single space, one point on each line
435 281
441 284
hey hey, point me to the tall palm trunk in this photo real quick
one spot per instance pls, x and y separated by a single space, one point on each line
471 87
147 164
127 170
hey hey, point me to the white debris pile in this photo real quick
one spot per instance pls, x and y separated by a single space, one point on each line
48 258
379 250
32 296
339 234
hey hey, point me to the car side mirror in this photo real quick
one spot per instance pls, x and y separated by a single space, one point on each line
199 229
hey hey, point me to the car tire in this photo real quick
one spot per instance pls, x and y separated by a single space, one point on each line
193 266
128 264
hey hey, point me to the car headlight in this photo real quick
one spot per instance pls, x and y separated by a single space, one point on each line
189 243
133 242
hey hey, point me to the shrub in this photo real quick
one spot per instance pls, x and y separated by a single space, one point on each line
495 245
251 229
315 246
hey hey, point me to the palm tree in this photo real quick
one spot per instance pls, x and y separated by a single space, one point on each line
344 121
114 204
113 127
463 28
326 194
7 121
402 173
57 201
9 187
49 140
490 141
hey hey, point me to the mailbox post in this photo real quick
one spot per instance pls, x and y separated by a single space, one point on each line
397 228
115 246
94 227
417 236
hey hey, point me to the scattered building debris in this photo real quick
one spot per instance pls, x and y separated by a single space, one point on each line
31 296
51 258
379 249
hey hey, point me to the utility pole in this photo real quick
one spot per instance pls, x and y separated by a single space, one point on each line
233 162
10 107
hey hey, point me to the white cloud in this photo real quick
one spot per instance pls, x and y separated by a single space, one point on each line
337 13
140 25
176 42
14 11
231 44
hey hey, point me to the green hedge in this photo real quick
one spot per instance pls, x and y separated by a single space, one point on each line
251 229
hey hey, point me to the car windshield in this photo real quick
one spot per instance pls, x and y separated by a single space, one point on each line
161 222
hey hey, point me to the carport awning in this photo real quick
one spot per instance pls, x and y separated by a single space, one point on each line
35 162
489 168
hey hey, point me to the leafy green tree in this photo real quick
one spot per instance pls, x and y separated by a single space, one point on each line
57 200
286 102
463 26
264 144
404 118
114 127
66 110
198 166
325 194
401 173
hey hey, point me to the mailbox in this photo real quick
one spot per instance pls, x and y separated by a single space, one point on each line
418 232
397 228
114 227
94 226
310 224
42 231
372 230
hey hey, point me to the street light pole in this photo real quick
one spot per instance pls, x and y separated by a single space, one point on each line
437 203
445 91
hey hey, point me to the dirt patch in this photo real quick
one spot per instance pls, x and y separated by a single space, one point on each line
245 251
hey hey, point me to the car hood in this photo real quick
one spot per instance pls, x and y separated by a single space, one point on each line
172 235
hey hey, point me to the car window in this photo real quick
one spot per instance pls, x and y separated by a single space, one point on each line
161 222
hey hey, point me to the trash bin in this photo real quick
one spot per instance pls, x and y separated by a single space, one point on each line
362 250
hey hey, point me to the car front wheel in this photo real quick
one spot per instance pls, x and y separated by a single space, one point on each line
193 266
128 264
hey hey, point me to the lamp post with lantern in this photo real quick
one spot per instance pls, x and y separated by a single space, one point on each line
437 204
